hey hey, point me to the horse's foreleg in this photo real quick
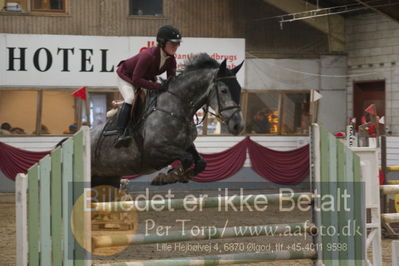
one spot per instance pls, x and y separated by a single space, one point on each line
199 162
177 174
186 160
185 174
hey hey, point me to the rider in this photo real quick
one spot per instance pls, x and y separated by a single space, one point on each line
140 71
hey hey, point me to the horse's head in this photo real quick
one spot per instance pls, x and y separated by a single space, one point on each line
225 98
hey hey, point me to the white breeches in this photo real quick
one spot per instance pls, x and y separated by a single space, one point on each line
126 89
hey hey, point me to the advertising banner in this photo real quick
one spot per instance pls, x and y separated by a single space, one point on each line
41 61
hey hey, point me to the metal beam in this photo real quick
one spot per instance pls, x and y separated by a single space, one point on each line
379 10
332 25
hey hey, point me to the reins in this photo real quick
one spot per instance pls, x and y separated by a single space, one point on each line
192 105
220 115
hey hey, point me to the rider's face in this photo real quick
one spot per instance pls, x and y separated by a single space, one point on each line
171 47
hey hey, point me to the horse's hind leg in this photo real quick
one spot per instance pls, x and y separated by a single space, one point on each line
115 187
109 189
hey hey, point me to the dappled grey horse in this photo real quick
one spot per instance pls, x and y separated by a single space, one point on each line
166 131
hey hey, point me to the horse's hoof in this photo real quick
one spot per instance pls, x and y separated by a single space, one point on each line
183 179
159 180
123 184
186 177
156 183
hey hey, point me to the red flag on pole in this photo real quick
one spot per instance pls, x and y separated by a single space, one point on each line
80 93
371 109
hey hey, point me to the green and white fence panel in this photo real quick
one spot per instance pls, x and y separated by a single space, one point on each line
45 197
336 169
395 253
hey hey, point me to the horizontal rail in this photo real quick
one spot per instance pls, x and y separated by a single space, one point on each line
241 201
208 233
224 259
393 168
390 217
389 189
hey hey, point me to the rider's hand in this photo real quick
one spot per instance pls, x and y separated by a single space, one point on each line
164 85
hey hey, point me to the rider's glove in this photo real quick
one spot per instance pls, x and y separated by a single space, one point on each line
164 85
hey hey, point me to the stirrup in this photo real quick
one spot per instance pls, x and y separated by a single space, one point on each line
111 132
123 141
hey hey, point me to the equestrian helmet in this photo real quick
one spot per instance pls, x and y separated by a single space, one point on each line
168 33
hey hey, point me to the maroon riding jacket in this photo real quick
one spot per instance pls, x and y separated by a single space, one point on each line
141 70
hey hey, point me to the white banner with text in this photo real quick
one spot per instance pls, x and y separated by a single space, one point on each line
39 61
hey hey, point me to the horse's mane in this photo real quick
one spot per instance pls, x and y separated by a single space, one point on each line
200 61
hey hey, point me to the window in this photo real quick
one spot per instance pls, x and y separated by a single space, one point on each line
265 113
48 5
211 125
146 7
18 110
53 112
34 5
57 111
100 104
262 113
295 113
277 113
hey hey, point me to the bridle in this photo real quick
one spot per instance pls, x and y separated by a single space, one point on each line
200 102
219 114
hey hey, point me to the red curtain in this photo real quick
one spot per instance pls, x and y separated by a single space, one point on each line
223 164
281 167
220 165
14 160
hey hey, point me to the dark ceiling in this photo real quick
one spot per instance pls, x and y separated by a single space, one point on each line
355 7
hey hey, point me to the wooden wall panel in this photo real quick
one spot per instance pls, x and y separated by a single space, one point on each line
205 18
195 18
200 18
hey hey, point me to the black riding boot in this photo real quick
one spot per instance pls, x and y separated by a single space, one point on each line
123 119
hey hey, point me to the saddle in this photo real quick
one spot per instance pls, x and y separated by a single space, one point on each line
137 114
138 106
